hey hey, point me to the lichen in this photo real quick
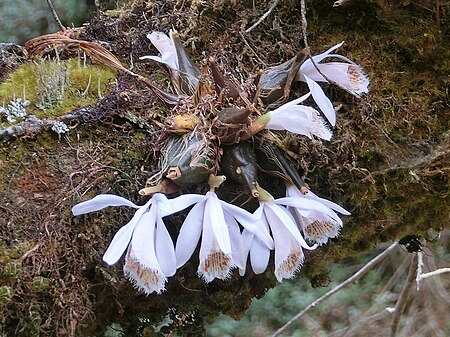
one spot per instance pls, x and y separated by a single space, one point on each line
56 87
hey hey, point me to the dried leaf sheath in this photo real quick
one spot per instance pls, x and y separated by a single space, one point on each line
97 52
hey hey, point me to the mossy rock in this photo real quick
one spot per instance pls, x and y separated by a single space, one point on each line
388 162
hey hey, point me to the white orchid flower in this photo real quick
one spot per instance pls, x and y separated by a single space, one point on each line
288 241
347 75
166 48
316 216
183 71
150 258
299 119
221 247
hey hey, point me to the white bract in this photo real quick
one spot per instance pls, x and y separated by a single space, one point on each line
347 75
150 258
316 216
299 119
221 246
288 241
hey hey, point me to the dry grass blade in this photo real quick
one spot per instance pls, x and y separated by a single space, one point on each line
102 55
37 45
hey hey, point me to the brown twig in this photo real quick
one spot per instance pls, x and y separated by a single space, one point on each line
251 49
31 251
304 26
348 281
404 295
55 15
263 17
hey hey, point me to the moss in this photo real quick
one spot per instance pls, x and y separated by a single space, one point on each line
6 295
85 84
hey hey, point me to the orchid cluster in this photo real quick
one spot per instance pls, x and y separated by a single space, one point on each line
217 129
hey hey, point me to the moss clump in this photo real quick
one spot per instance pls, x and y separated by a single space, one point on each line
56 87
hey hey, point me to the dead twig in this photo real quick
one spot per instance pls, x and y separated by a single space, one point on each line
404 295
251 49
55 15
348 281
31 251
434 273
263 17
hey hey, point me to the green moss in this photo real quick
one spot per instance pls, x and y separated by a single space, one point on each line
12 269
14 253
6 295
82 85
40 284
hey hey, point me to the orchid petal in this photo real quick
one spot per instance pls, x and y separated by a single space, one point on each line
166 48
143 240
189 234
315 224
237 245
349 76
319 228
292 119
329 204
295 101
259 254
288 262
288 251
250 222
163 204
321 100
214 215
293 192
157 59
320 57
145 279
165 251
276 214
299 119
259 257
306 205
99 202
184 201
122 238
247 239
214 263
